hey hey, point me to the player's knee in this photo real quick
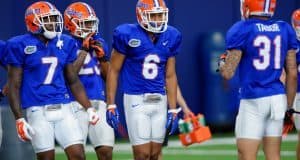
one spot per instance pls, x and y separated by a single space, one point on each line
154 156
77 156
142 156
104 152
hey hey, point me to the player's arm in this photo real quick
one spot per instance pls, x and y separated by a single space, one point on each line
181 102
76 87
171 83
78 63
291 77
232 60
115 66
14 84
104 65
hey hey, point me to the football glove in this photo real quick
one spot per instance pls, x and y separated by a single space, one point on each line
288 121
86 42
93 116
25 131
221 60
172 121
98 48
112 116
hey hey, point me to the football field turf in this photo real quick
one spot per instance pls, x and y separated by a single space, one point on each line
217 148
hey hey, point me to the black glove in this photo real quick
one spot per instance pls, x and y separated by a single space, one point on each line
288 124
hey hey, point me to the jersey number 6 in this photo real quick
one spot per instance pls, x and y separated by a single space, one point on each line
150 68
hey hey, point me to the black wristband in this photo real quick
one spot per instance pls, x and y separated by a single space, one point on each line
84 49
102 59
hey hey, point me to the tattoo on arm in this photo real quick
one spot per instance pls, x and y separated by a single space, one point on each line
231 62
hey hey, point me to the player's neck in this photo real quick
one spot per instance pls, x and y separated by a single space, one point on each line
153 37
42 38
260 17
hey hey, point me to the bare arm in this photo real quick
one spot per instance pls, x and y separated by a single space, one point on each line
14 84
231 62
171 83
116 63
104 65
78 63
181 102
76 87
291 77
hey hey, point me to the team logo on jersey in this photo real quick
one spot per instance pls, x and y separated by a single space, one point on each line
134 42
30 49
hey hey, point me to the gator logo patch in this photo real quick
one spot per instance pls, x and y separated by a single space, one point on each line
30 49
134 42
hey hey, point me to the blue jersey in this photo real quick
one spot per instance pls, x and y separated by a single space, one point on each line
264 45
144 67
89 74
43 80
298 63
2 54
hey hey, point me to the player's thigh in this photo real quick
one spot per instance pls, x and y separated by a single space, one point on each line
158 121
82 117
274 122
250 121
43 139
271 147
137 119
67 130
101 134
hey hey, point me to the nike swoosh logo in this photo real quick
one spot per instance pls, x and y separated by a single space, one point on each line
34 110
165 43
135 105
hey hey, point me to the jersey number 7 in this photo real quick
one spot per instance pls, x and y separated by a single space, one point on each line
53 64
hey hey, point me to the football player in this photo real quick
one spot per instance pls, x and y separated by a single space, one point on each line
261 48
144 54
39 67
296 26
3 91
82 23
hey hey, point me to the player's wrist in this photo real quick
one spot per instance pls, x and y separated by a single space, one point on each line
174 110
111 106
20 120
85 49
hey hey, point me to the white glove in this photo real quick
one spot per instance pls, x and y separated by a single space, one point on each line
93 116
25 131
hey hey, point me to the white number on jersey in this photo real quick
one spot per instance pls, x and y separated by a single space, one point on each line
264 44
53 64
88 70
150 68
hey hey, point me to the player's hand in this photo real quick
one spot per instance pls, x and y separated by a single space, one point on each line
86 42
172 120
189 114
288 121
25 131
98 48
5 90
93 116
221 61
112 116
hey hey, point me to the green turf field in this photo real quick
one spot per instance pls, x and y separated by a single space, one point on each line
210 151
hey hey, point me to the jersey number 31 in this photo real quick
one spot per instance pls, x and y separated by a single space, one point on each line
264 44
